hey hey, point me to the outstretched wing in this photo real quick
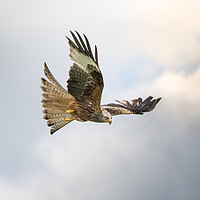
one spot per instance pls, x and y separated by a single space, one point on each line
85 78
135 106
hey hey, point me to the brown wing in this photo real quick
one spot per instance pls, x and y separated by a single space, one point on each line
85 78
135 106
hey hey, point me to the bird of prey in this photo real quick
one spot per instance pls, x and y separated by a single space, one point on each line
81 100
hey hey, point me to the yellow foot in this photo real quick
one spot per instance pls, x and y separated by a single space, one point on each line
69 111
67 119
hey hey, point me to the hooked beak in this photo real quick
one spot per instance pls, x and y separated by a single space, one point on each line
109 121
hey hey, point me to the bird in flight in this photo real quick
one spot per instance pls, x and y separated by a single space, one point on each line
81 100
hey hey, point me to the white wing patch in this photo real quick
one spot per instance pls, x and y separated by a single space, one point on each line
82 60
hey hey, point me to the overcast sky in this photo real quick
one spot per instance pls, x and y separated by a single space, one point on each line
146 47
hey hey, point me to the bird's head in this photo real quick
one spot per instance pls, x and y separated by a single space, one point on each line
107 116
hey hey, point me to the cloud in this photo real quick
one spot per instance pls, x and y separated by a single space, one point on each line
145 48
181 90
130 159
165 31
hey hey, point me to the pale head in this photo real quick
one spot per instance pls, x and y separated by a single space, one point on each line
107 116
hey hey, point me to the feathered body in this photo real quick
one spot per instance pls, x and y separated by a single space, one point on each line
81 101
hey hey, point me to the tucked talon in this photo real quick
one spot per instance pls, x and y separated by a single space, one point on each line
67 119
69 111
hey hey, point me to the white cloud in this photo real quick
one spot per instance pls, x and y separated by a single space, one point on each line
182 91
127 162
164 31
154 156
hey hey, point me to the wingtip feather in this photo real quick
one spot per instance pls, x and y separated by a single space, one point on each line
52 131
158 99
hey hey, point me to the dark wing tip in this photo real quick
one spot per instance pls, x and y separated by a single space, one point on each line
67 37
83 47
43 80
135 106
46 69
96 55
139 106
88 47
77 42
52 131
71 43
150 104
158 99
45 66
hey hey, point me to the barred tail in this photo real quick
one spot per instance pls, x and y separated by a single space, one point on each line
56 101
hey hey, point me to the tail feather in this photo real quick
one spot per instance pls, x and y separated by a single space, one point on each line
52 122
50 88
51 111
55 107
55 104
58 126
51 78
56 101
55 116
54 95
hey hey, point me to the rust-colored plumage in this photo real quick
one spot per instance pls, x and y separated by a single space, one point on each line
81 100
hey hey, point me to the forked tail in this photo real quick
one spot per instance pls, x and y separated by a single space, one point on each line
56 101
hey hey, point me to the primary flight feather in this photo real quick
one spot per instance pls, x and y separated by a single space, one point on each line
81 100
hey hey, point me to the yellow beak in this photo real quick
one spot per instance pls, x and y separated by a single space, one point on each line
109 121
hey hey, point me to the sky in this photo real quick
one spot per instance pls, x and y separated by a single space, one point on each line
146 47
